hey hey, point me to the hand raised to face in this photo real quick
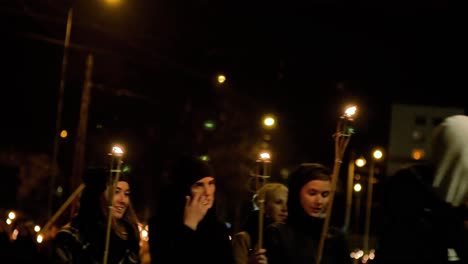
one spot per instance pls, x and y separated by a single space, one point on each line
198 204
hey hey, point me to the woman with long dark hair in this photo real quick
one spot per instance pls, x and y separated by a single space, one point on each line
83 240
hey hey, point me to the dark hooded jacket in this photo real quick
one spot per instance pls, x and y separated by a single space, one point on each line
297 240
173 242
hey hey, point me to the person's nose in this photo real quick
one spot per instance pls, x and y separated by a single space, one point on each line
208 190
320 199
119 198
317 200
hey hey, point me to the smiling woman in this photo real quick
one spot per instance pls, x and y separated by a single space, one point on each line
83 239
121 199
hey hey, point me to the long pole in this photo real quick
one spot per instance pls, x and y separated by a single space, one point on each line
64 206
265 175
58 121
80 144
110 202
370 185
349 193
341 142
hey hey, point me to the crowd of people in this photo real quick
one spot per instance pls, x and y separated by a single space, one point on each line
425 216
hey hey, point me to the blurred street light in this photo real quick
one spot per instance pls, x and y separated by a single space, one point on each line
63 134
205 157
357 187
221 78
269 121
12 215
39 238
377 154
360 162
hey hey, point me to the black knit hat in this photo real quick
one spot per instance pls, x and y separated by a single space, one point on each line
189 169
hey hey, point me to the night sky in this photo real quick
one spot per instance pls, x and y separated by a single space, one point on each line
302 60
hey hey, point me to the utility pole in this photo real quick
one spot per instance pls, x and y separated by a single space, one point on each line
58 122
80 144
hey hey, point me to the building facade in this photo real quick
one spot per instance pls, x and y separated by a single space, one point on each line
410 132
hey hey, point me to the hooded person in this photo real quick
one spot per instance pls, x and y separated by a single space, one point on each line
185 228
83 239
425 204
297 240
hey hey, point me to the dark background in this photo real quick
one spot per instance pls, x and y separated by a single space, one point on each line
155 67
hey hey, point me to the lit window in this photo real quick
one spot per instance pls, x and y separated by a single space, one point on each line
418 154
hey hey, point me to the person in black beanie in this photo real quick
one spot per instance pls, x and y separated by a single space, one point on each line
83 239
185 228
297 240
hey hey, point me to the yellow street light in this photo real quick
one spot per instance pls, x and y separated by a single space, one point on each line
269 121
63 134
377 154
12 215
357 187
205 157
360 162
221 78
